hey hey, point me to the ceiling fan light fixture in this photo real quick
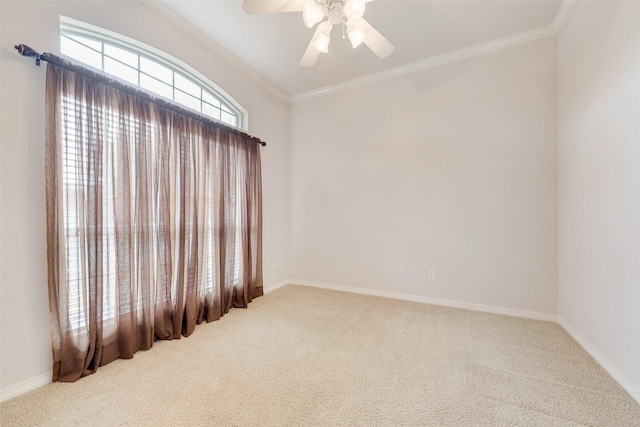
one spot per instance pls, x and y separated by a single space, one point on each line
312 13
321 43
354 9
335 12
323 15
356 36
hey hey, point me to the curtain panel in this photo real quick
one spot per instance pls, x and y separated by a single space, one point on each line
154 221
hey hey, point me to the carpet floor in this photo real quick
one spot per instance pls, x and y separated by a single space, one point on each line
303 356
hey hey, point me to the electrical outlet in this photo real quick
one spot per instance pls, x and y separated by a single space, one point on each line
399 271
275 266
432 275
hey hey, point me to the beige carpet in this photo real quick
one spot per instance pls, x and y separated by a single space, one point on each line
303 356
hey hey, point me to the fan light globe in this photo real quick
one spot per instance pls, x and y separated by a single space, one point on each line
312 13
354 9
356 37
322 42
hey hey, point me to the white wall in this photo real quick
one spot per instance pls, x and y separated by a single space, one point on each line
599 184
25 349
451 169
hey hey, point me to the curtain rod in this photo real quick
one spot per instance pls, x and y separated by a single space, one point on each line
27 51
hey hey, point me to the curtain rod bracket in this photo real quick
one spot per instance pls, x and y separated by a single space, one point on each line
25 50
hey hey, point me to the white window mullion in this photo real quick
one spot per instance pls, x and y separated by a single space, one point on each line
78 38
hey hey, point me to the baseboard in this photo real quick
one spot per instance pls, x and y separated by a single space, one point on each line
25 386
622 379
274 286
633 390
435 301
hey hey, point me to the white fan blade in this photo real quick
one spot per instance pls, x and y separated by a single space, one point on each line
311 54
272 6
374 40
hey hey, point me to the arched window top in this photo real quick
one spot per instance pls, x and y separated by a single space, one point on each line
149 68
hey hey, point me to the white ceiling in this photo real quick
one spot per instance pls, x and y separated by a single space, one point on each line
273 44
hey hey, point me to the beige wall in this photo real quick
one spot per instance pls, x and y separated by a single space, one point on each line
451 169
599 183
25 348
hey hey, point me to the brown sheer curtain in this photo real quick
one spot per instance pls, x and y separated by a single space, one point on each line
154 221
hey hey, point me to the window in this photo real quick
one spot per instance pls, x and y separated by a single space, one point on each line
151 70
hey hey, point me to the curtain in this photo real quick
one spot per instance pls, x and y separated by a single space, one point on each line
154 221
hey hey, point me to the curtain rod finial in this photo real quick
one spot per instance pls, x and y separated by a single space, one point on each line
25 50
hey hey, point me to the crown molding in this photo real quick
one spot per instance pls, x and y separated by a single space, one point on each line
434 61
563 13
520 38
187 28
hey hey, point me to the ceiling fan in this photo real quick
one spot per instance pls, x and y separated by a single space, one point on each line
327 14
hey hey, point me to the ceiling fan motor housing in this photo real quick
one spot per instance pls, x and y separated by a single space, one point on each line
335 10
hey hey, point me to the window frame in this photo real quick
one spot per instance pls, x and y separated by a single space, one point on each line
74 27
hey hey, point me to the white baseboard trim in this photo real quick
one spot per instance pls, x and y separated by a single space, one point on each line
429 300
633 390
272 287
25 386
622 379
